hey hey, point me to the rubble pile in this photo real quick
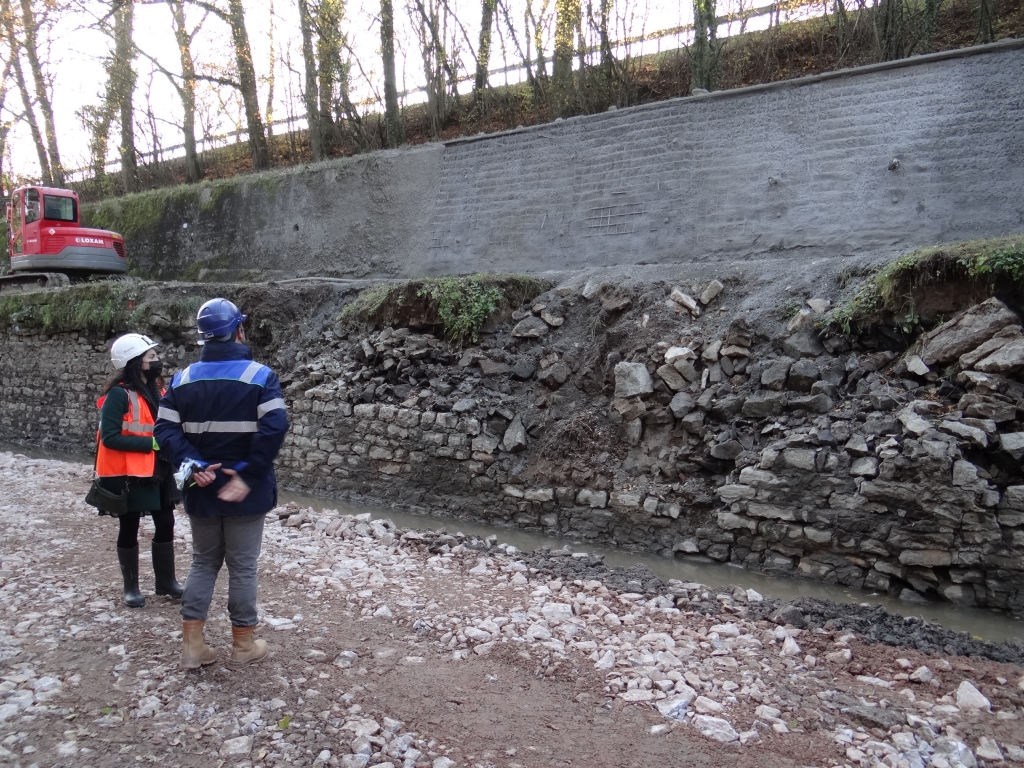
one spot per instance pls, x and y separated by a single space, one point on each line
790 453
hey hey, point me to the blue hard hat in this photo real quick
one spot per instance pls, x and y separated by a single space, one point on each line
218 317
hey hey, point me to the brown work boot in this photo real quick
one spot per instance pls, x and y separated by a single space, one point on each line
245 650
195 652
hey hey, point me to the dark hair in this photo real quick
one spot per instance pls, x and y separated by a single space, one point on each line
132 377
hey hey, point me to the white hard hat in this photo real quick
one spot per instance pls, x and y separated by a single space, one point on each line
128 347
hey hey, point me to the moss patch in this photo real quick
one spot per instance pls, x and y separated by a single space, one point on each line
457 307
926 285
107 307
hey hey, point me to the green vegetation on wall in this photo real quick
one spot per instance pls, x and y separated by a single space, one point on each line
158 225
108 307
459 306
896 293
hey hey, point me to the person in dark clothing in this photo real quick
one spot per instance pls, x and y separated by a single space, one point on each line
128 459
223 421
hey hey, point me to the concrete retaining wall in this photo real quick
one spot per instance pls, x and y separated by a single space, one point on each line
866 162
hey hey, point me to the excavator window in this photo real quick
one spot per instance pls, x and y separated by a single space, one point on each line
31 205
59 208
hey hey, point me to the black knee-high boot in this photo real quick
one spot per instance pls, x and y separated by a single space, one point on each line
129 560
163 569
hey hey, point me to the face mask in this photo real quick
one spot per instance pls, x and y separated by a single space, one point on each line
156 367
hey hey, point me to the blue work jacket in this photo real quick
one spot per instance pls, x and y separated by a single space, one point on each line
228 410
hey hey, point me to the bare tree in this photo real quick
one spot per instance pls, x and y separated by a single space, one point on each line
11 25
567 23
234 17
311 92
122 89
483 55
186 88
31 26
5 125
394 135
328 48
705 53
268 110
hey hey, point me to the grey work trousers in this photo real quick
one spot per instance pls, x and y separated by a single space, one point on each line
216 540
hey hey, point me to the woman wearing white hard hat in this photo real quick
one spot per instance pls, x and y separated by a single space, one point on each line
128 462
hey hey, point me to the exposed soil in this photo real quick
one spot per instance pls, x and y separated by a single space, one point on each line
120 699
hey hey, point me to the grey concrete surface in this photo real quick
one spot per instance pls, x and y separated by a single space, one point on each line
864 163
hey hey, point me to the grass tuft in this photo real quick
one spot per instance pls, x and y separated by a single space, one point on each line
460 306
896 291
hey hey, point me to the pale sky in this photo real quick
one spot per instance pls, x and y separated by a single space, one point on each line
77 48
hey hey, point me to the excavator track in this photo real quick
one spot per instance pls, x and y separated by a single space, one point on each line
30 282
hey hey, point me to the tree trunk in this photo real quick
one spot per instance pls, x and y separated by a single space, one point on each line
247 83
607 59
187 91
122 78
268 111
329 16
567 21
986 32
483 54
392 118
42 92
316 141
14 47
705 48
5 127
889 29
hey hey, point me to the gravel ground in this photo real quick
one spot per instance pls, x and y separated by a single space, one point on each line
414 649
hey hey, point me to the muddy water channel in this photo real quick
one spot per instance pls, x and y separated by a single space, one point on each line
981 623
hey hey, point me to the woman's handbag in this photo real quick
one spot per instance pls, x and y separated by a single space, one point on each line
115 504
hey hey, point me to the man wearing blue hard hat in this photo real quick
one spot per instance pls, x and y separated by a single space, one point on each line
223 421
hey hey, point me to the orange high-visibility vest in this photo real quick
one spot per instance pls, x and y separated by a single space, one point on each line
137 422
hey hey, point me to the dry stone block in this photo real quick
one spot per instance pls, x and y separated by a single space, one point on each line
973 435
733 522
1013 444
928 558
624 500
539 494
632 379
708 294
530 328
966 331
515 435
592 499
805 343
681 404
774 377
685 300
866 466
671 377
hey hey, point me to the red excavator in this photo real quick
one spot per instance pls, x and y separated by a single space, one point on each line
46 245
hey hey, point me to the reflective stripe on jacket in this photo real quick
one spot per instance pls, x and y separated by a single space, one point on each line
137 421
